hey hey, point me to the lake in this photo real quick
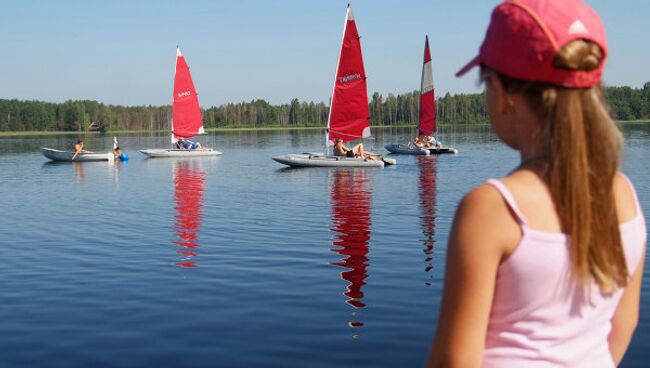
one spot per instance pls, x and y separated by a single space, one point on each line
235 261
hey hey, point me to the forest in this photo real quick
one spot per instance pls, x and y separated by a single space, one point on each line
625 103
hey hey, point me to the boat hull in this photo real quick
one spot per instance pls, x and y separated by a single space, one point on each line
58 155
205 152
316 160
408 150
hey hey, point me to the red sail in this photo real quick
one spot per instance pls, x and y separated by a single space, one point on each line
187 121
349 117
427 123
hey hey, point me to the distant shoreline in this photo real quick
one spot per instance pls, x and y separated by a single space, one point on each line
232 129
207 130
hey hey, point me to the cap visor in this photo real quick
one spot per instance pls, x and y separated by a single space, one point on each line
476 61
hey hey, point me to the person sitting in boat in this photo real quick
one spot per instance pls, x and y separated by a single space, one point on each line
119 155
357 151
187 144
79 148
434 143
429 141
422 141
417 142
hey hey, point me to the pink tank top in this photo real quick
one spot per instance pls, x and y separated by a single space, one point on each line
539 318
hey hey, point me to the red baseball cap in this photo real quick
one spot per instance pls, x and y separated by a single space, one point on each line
525 35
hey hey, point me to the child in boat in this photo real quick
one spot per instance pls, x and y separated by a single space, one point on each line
119 155
357 151
187 144
79 148
544 266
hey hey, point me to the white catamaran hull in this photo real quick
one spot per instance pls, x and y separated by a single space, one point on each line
58 155
180 153
320 160
409 150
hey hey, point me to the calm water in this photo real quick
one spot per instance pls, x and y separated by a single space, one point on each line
235 261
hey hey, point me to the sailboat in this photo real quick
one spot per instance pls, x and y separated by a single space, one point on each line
349 117
186 119
427 115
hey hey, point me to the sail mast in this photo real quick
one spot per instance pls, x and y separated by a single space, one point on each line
336 71
178 53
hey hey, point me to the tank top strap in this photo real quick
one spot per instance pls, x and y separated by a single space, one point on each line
510 200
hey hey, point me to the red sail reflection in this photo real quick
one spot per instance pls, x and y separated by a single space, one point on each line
351 206
189 184
427 186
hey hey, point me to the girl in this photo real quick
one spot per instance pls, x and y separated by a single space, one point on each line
544 266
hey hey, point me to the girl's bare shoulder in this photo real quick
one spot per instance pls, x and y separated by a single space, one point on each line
534 200
484 200
484 218
624 195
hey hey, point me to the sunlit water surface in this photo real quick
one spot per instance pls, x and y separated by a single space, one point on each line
235 261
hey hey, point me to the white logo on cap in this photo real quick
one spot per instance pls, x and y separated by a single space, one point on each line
577 27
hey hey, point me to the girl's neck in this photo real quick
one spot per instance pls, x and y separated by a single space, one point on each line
532 140
533 160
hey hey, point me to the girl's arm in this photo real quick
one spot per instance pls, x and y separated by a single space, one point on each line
626 317
481 229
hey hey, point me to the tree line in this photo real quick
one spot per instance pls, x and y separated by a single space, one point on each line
625 103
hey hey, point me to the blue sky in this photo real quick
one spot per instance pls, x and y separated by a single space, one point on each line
122 52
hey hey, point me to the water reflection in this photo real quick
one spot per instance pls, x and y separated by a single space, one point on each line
351 206
189 184
427 189
79 171
116 167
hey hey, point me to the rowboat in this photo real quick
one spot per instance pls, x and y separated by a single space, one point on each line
58 155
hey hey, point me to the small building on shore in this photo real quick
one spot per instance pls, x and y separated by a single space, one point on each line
93 127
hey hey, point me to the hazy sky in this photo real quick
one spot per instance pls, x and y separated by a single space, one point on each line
123 52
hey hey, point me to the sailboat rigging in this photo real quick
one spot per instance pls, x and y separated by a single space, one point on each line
426 117
349 117
186 120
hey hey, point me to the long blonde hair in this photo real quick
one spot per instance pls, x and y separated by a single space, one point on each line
584 151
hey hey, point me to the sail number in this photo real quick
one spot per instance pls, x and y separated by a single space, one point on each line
350 77
184 94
